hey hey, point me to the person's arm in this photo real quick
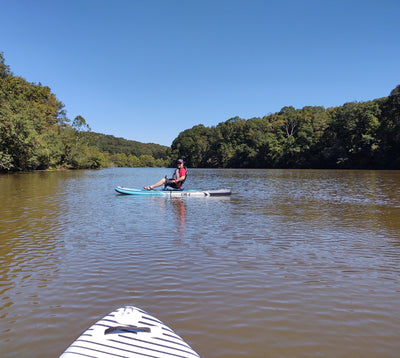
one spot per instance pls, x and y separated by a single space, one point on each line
181 178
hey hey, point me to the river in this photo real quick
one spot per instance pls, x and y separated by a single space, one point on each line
296 263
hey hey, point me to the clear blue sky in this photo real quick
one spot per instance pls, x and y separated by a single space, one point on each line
146 70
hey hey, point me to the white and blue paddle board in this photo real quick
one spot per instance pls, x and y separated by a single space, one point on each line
173 193
129 332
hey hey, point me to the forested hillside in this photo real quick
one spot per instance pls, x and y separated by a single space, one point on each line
130 153
35 133
356 135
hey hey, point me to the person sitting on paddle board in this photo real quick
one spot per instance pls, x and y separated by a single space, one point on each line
176 181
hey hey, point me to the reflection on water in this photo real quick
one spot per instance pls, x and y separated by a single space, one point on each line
179 209
296 263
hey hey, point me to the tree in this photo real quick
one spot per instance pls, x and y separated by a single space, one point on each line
147 160
192 145
80 125
4 69
389 130
35 132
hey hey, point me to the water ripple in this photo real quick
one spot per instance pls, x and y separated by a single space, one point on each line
299 263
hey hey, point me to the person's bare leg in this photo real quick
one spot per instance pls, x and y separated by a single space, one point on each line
159 183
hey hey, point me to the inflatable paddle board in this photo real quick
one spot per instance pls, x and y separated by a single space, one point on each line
173 193
129 332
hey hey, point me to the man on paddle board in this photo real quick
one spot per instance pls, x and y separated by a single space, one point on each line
176 181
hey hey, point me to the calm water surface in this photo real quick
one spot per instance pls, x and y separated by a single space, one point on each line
297 263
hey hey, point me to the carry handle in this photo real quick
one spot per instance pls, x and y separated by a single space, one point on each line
127 329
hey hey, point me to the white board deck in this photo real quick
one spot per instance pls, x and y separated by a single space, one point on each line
129 332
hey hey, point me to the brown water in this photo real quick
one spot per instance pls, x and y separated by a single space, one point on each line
297 263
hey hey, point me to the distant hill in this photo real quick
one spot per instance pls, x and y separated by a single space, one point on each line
113 145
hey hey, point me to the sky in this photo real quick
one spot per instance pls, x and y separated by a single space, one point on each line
146 70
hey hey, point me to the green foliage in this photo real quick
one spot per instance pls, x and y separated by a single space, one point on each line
35 133
388 133
145 160
4 69
351 139
194 143
28 116
355 135
113 145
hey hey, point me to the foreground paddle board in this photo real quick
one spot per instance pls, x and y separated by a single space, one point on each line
129 332
173 193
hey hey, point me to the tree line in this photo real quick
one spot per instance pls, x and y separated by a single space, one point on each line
359 135
129 153
35 133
